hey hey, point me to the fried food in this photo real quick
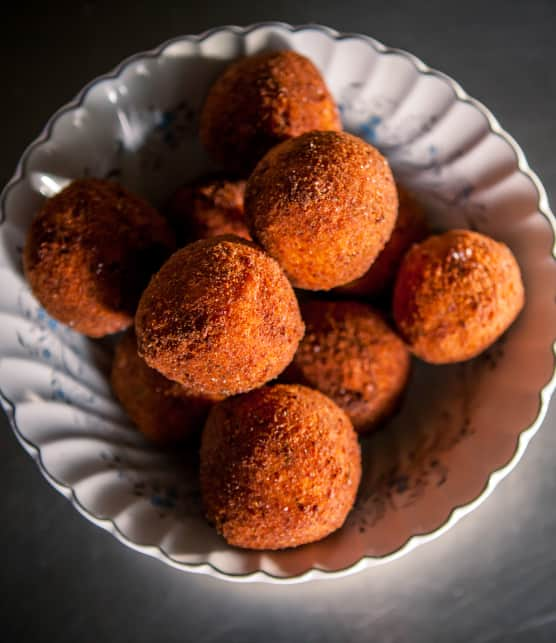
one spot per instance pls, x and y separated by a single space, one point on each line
260 101
220 318
455 294
161 409
410 228
323 205
208 208
280 467
350 354
90 252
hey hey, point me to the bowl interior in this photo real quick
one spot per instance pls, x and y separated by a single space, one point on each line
458 425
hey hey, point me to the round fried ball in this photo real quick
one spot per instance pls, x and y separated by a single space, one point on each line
208 208
455 294
161 409
220 318
410 228
323 205
90 252
260 101
350 354
280 467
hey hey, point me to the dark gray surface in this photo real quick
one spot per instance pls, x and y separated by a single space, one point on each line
491 579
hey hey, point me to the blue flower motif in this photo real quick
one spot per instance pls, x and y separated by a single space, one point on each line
162 501
58 394
368 129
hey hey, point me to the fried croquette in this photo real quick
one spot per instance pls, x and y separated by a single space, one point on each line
323 205
90 252
220 318
455 294
350 354
208 208
161 409
260 101
410 228
280 467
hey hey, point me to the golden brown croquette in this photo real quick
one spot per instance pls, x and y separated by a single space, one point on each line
220 318
323 205
350 354
260 101
280 467
455 294
90 252
160 408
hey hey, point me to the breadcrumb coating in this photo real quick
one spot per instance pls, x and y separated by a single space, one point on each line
351 354
323 205
280 467
260 101
455 294
90 252
220 318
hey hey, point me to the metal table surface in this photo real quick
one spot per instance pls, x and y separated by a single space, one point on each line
491 579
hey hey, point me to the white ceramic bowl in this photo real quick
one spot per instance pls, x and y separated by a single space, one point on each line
462 428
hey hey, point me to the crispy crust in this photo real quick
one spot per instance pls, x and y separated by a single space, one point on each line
220 318
280 467
208 208
350 354
90 252
323 205
260 101
455 294
161 409
411 227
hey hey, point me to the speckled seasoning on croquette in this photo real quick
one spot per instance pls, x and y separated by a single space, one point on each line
220 318
260 101
455 294
351 354
90 252
323 205
280 467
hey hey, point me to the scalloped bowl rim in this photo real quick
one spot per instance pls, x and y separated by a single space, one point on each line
457 513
